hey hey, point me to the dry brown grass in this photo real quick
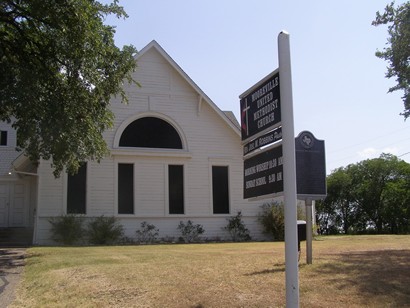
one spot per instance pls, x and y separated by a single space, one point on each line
347 271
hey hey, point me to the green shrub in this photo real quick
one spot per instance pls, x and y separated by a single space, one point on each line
67 229
105 230
272 219
147 234
237 229
190 232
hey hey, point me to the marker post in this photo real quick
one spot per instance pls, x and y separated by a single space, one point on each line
289 169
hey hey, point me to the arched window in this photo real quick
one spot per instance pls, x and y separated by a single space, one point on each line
150 132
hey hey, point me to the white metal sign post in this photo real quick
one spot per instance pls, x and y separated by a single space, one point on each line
267 118
289 172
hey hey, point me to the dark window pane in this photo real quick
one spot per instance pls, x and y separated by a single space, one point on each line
176 189
125 189
76 191
220 190
150 132
3 137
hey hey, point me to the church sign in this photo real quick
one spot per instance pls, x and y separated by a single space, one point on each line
263 173
260 107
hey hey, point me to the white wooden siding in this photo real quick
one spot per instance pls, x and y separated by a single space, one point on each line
210 141
50 192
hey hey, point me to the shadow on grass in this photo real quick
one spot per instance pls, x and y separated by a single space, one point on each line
277 268
267 271
375 273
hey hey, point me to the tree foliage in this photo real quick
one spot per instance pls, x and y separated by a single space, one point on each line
397 53
372 195
59 67
338 208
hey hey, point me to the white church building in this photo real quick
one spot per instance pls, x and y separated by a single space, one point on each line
174 156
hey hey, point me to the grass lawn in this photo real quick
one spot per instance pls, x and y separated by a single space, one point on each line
347 271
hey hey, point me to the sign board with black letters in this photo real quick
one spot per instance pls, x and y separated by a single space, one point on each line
260 107
310 167
266 139
263 173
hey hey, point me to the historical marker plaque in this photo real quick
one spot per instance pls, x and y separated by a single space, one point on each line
310 166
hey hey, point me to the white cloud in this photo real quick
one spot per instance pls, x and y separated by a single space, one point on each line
392 150
369 153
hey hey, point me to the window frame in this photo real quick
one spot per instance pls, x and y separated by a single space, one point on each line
86 188
150 151
229 182
167 190
117 194
118 161
156 124
4 138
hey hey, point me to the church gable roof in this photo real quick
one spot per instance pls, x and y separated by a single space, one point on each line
225 116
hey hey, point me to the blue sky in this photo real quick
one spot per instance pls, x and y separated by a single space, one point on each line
339 88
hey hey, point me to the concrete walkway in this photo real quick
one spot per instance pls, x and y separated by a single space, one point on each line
12 262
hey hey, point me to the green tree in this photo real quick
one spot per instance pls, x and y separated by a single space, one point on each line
397 54
326 216
59 67
339 206
396 197
372 194
370 179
